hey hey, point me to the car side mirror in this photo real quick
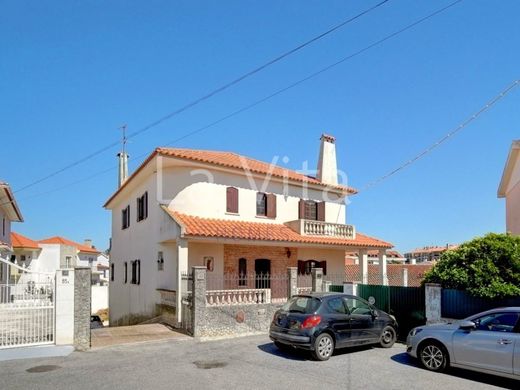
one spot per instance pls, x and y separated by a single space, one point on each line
374 313
467 325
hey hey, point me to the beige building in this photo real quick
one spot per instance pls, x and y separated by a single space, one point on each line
231 214
509 188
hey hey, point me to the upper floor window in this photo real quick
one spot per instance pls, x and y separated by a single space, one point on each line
126 272
232 200
112 272
266 205
125 216
310 209
142 207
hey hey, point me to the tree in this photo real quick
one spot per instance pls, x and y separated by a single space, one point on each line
487 267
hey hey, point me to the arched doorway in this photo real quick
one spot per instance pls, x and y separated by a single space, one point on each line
262 273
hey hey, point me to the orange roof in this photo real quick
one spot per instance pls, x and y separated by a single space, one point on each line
64 241
21 242
220 228
375 253
433 249
235 161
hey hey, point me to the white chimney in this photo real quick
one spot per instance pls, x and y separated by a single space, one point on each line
123 168
88 242
327 165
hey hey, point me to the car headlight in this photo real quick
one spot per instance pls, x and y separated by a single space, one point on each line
414 331
392 317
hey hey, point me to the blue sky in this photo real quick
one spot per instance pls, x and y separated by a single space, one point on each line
72 72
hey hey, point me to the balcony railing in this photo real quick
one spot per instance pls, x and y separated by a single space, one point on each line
309 227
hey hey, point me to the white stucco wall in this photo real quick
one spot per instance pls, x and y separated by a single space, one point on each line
204 195
335 258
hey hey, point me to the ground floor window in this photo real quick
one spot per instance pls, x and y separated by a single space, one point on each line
242 272
305 266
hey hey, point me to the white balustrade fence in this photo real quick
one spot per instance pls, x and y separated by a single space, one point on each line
238 297
320 228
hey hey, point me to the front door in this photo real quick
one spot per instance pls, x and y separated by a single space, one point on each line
491 345
262 273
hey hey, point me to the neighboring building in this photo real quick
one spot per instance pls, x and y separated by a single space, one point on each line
509 188
427 253
232 214
54 253
9 212
393 257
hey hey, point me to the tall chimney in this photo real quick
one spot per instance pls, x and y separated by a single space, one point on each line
327 165
87 242
123 168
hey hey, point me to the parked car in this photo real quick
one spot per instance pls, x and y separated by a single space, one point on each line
323 322
95 322
488 342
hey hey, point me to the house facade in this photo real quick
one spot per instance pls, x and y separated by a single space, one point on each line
231 214
9 212
509 188
427 253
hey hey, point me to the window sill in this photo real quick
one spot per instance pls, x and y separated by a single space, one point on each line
235 214
263 217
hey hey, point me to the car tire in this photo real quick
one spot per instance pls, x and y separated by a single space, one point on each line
323 347
388 337
433 356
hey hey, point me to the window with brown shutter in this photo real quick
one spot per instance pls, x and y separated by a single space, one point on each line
261 204
271 206
301 209
320 211
232 200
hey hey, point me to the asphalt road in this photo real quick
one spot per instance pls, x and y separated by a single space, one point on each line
241 363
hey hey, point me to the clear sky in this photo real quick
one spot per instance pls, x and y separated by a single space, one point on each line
72 72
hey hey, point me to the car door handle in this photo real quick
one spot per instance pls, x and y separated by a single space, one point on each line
504 341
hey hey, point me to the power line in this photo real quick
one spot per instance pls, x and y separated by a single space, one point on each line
278 92
450 134
208 95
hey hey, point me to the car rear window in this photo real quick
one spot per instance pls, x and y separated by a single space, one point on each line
306 305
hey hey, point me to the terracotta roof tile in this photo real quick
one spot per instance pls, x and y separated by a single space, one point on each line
236 161
21 242
64 241
220 228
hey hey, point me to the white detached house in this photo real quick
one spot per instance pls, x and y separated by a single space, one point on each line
232 214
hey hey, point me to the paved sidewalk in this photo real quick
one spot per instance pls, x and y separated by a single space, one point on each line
42 351
104 337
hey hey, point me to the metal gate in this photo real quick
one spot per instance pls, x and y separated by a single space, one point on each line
407 304
186 300
27 312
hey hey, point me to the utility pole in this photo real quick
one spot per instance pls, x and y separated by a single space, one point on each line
123 158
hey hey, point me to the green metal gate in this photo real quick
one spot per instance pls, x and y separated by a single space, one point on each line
405 303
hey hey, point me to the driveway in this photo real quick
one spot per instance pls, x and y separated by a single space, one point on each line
241 363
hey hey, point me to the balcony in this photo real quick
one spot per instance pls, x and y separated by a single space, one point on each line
307 227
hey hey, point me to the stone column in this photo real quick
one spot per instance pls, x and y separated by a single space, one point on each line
405 277
363 259
82 307
382 267
198 291
317 279
432 294
326 285
64 307
182 268
350 288
292 282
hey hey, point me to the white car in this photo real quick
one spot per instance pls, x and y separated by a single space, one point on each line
487 342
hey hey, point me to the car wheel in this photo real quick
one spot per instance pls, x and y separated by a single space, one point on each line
433 356
388 337
323 347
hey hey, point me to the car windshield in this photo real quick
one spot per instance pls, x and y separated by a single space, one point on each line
306 305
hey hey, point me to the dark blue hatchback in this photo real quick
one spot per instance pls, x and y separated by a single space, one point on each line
323 322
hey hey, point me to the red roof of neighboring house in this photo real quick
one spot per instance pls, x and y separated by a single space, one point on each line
375 253
236 161
394 273
220 228
64 241
21 242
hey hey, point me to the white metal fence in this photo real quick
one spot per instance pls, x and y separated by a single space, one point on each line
27 314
